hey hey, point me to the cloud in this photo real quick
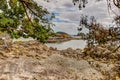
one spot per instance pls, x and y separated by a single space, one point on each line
70 28
68 15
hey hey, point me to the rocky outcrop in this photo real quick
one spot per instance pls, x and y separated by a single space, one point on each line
77 54
31 60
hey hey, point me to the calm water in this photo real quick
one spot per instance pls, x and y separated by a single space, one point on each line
69 44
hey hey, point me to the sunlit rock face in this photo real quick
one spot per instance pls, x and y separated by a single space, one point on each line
56 66
29 60
19 69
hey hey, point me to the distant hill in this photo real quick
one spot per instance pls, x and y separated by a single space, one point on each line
62 33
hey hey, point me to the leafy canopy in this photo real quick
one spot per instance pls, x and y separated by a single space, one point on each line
24 18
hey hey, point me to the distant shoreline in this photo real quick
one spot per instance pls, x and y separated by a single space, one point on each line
59 40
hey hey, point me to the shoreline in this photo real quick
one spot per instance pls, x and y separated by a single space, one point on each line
33 60
61 40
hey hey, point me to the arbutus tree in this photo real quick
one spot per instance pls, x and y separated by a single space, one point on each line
82 3
97 34
25 18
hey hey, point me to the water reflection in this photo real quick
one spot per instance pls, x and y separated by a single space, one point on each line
74 44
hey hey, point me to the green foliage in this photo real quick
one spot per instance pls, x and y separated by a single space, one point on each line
25 18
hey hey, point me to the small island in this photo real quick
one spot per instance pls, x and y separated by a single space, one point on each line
62 37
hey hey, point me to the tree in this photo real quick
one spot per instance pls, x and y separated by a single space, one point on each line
82 3
25 18
97 34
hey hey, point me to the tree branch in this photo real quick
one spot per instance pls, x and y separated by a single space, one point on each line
26 11
116 4
116 49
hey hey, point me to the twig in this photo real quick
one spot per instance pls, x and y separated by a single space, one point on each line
26 12
116 49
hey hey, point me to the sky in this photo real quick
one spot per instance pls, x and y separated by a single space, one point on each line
68 16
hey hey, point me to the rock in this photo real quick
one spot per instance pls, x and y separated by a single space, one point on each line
22 68
51 48
105 69
32 60
45 48
57 64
